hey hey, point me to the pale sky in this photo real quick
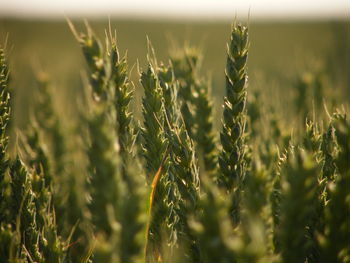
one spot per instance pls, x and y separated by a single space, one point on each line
179 9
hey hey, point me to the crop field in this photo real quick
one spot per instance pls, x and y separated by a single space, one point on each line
167 142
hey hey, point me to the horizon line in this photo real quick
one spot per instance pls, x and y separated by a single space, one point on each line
209 10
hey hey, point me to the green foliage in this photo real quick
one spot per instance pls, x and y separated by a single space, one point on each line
4 120
92 190
336 240
214 230
298 206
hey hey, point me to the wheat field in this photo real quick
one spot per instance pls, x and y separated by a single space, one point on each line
124 144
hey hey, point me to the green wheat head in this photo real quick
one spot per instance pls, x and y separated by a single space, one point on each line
232 158
194 94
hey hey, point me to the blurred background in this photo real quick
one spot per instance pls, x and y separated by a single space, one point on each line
288 40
